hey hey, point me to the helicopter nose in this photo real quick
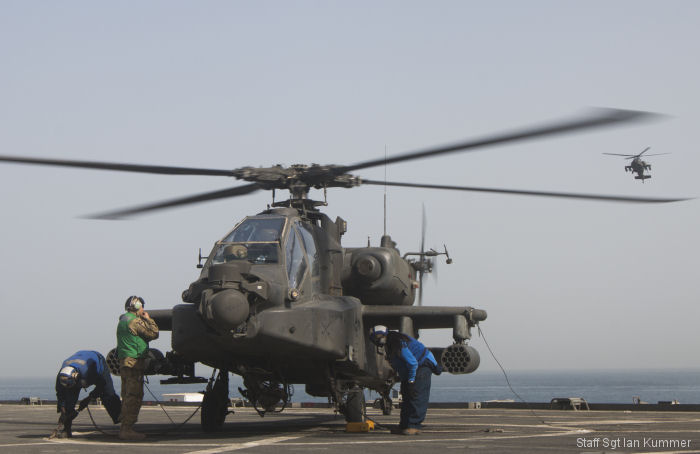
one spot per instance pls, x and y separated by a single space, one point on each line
229 308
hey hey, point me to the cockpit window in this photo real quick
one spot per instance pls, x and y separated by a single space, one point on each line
296 263
255 240
259 253
256 229
310 245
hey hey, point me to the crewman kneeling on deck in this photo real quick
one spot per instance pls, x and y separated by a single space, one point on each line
135 329
82 370
415 364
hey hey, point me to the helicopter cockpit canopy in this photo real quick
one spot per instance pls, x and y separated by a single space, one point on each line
256 229
263 241
256 240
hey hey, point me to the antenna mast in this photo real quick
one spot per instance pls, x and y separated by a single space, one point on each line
385 158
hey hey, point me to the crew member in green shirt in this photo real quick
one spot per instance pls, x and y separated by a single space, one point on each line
135 329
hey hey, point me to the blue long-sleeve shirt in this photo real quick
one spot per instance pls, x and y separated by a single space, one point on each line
91 365
409 358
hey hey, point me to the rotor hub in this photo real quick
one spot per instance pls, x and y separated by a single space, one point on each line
298 178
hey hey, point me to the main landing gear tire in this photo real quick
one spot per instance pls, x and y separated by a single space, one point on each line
386 405
215 404
355 406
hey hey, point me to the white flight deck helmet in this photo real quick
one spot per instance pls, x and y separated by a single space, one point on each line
68 376
375 332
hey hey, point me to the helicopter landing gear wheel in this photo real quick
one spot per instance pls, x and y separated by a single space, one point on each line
355 405
386 405
215 404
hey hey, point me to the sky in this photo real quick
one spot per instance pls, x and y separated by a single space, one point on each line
216 84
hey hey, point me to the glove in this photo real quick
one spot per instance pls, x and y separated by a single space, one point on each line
97 392
411 390
70 416
84 403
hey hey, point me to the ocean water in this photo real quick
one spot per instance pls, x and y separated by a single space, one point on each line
599 386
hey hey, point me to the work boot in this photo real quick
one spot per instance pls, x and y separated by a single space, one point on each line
67 430
128 433
410 431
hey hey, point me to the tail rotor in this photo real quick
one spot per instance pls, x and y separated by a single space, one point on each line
425 262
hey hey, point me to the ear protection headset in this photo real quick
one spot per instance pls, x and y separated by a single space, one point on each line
134 303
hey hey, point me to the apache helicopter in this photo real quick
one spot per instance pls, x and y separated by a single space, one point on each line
279 300
637 165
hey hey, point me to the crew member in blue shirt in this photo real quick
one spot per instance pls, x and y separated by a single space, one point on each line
82 370
415 364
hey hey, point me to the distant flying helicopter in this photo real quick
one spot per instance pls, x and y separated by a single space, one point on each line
637 165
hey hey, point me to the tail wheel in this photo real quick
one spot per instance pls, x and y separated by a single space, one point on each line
215 404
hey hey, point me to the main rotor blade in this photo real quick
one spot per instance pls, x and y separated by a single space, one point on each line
231 192
567 195
422 257
165 170
644 151
420 288
656 154
434 272
618 154
424 223
599 118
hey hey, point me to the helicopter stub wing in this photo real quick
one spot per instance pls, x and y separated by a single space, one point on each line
163 318
409 319
422 317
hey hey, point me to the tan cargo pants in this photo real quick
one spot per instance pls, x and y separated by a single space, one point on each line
131 371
